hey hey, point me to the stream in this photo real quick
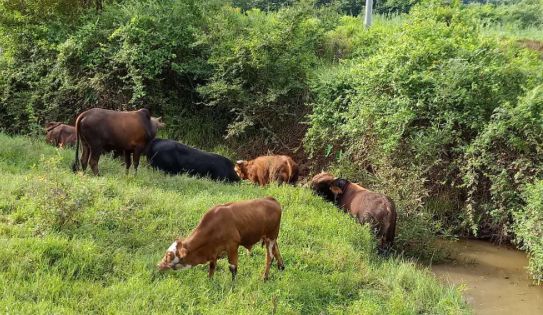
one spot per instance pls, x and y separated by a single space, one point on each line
495 277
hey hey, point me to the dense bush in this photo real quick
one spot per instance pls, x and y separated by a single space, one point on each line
415 108
524 14
127 56
260 65
505 155
529 227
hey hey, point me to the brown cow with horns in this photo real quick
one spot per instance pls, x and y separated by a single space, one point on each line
222 230
101 130
364 205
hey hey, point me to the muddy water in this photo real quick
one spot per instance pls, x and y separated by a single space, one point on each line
495 278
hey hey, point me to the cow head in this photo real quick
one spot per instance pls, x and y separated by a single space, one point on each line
174 258
338 186
156 122
321 184
241 169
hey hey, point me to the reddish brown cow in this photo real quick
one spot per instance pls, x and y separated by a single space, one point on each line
364 205
222 230
268 168
59 134
101 130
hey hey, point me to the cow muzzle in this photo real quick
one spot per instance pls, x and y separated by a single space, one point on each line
164 266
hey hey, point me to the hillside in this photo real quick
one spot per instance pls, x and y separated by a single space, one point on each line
79 243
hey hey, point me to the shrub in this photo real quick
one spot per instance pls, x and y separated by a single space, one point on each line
529 227
260 65
415 107
506 155
130 55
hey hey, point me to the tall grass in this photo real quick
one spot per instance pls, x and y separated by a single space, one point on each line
514 31
75 243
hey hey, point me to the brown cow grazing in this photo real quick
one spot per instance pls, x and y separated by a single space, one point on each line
60 135
101 130
222 230
364 205
268 168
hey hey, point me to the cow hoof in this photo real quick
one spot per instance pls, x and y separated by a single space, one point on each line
281 267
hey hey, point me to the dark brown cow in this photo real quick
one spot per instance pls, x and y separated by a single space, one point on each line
60 135
268 168
364 205
222 230
101 130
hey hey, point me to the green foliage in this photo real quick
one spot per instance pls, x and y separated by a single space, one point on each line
529 227
264 5
395 6
506 155
524 14
415 107
76 242
260 65
127 56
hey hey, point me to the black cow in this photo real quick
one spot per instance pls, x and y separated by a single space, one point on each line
175 158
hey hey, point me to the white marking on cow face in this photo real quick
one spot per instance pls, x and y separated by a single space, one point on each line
176 263
173 247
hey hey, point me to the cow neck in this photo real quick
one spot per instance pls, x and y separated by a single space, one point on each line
51 128
193 242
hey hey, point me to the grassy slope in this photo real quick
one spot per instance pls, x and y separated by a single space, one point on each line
79 243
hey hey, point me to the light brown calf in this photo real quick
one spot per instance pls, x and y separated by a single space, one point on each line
265 169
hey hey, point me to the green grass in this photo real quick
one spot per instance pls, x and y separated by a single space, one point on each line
514 32
75 243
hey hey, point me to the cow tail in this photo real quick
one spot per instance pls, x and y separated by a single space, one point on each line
295 173
75 165
391 231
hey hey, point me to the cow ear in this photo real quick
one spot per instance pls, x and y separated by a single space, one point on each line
240 162
182 252
335 189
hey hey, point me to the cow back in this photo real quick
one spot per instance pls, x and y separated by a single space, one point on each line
174 158
116 130
244 222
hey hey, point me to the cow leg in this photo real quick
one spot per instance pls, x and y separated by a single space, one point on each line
127 160
275 248
233 261
212 266
269 258
84 156
137 153
93 161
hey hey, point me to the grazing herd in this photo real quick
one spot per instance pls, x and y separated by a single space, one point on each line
225 227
